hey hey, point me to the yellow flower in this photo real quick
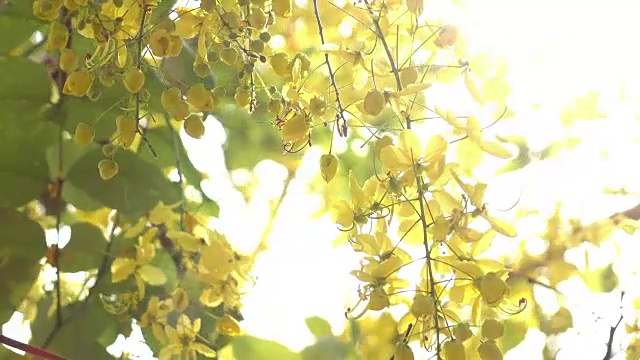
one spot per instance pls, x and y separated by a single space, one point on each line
46 10
122 268
408 156
218 259
220 292
188 22
228 325
78 83
182 341
162 43
180 299
380 274
378 245
156 316
163 214
346 214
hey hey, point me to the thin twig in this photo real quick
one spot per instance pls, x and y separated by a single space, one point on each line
340 114
387 50
484 128
139 39
612 331
272 218
106 260
425 239
62 78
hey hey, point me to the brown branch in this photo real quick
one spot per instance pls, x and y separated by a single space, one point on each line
29 349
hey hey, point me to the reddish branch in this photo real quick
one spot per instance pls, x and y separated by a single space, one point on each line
31 350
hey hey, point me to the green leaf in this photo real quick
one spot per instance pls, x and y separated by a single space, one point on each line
162 10
328 348
79 198
252 348
71 152
162 139
522 159
603 279
88 331
136 189
85 249
74 344
514 333
24 174
208 208
181 69
22 244
17 24
25 90
318 326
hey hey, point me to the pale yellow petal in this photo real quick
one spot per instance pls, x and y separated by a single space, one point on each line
228 325
152 275
436 147
394 159
203 349
495 149
328 167
502 226
122 268
409 144
357 194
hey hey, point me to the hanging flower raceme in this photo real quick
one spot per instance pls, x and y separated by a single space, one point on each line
410 158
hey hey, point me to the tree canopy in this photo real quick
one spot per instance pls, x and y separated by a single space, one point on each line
176 172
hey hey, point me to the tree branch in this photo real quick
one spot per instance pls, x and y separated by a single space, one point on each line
612 331
29 349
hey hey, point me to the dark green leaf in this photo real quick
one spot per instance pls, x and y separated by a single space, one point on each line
71 152
136 189
25 90
85 250
252 348
79 198
162 140
23 245
24 175
17 24
318 326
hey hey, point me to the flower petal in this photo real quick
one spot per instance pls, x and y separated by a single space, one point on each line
122 268
152 275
